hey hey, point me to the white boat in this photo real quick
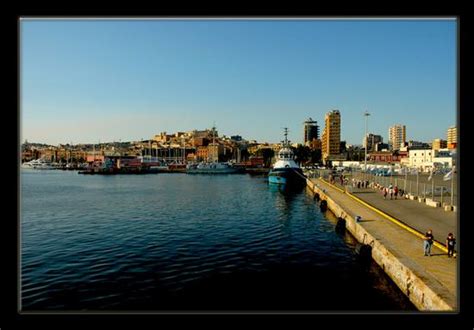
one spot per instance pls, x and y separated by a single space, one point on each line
39 164
211 168
285 171
153 164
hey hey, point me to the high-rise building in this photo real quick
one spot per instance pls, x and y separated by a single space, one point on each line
396 136
331 137
371 140
311 131
439 144
452 137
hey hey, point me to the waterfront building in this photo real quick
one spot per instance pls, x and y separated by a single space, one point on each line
215 150
331 137
382 147
411 145
371 140
452 137
311 131
207 133
396 136
426 159
439 144
163 137
202 153
199 141
444 158
421 158
315 144
387 156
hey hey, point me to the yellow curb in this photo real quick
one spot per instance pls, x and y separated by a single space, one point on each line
392 219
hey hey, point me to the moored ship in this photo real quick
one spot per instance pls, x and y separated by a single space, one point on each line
212 168
285 171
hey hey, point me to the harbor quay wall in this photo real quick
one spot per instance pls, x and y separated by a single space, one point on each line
406 275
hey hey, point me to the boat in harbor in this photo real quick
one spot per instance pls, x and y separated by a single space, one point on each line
212 168
285 171
39 164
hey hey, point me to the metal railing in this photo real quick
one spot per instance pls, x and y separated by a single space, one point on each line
419 185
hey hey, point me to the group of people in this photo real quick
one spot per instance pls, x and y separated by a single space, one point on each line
360 183
340 178
392 191
429 239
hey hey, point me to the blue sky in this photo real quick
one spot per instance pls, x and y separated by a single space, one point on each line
85 81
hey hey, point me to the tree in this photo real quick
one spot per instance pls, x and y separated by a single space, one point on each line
267 155
316 156
302 154
244 154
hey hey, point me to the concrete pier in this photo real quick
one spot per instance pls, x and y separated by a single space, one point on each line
397 247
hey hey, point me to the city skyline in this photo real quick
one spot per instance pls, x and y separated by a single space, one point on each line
85 81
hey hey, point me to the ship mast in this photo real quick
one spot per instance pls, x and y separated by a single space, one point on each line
285 143
214 143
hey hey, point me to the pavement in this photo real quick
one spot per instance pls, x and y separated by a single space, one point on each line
423 188
413 213
437 270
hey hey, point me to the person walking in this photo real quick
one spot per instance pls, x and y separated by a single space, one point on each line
390 191
428 242
385 193
450 244
395 191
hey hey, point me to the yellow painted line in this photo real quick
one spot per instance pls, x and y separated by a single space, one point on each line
392 219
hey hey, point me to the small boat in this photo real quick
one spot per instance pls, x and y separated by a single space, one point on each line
212 168
39 164
285 171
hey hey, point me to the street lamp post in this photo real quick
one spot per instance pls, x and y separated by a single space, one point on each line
452 186
366 114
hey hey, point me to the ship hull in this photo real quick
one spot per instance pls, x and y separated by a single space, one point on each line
287 176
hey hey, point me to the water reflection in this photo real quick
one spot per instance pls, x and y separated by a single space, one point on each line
284 197
214 243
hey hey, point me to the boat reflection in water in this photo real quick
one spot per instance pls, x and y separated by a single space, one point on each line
284 196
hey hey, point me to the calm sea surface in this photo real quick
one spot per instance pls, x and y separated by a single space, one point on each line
186 242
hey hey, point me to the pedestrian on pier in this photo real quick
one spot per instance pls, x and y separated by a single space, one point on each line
395 191
385 193
428 242
450 244
390 190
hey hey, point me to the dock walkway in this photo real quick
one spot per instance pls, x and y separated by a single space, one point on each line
413 213
438 272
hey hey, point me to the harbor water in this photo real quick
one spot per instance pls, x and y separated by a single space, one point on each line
161 242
